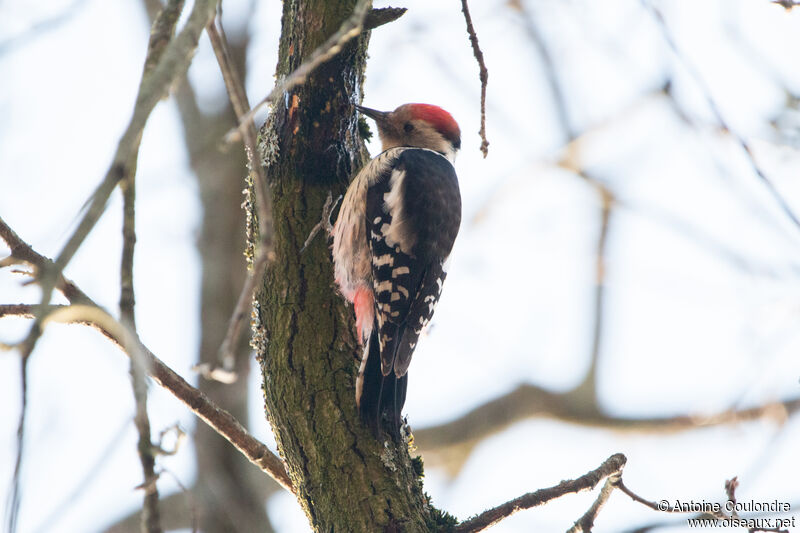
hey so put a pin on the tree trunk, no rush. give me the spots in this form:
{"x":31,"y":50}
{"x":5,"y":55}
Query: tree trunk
{"x":345,"y":479}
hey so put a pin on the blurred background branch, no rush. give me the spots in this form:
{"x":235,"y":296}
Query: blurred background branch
{"x":659,"y":250}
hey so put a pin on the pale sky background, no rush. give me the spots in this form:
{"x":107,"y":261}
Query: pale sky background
{"x":687,"y":331}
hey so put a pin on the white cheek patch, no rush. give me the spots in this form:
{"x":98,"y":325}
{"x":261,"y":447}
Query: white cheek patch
{"x":396,"y":233}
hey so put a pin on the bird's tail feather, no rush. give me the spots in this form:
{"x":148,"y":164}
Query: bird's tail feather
{"x":381,"y":397}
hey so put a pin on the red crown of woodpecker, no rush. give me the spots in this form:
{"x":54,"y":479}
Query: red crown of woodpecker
{"x":438,"y":118}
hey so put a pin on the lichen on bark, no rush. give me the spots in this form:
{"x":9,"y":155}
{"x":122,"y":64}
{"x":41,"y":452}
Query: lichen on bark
{"x":345,"y":479}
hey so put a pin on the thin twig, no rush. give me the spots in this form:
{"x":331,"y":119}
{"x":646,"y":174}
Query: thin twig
{"x":240,"y":312}
{"x":21,"y":251}
{"x":174,"y":61}
{"x":180,"y":436}
{"x":190,"y":501}
{"x":127,"y":299}
{"x":663,"y":506}
{"x":551,"y":75}
{"x":694,"y":234}
{"x":12,"y":510}
{"x":217,"y":418}
{"x":730,"y":491}
{"x":324,"y":221}
{"x":586,"y":522}
{"x":151,"y":517}
{"x":611,"y":466}
{"x":588,"y":387}
{"x":161,"y":34}
{"x":89,"y":476}
{"x":349,"y":29}
{"x":484,"y":74}
{"x":571,"y":161}
{"x":722,"y":123}
{"x":715,"y":511}
{"x":26,"y":310}
{"x":265,"y":251}
{"x":42,"y":27}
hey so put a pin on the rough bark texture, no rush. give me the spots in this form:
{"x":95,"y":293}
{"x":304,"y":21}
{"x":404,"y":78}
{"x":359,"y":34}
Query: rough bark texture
{"x":345,"y":479}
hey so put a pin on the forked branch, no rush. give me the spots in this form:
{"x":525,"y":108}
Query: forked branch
{"x":90,"y":313}
{"x":611,"y":466}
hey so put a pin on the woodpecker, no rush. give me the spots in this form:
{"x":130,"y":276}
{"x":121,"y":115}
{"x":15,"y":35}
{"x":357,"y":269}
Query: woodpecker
{"x":391,"y":242}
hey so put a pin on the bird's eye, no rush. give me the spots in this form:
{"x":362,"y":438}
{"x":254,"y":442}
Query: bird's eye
{"x":409,"y":127}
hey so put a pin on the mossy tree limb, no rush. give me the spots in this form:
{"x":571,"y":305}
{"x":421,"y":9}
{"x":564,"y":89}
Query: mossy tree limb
{"x":345,"y":479}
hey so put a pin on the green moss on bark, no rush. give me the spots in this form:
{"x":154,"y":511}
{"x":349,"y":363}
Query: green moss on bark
{"x":345,"y":479}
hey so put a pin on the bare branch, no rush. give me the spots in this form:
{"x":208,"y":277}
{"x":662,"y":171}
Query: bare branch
{"x":265,"y":252}
{"x":162,"y":66}
{"x":730,"y":490}
{"x":155,"y":85}
{"x":484,"y":74}
{"x":90,"y":475}
{"x":722,"y":123}
{"x":242,"y":310}
{"x":190,"y":503}
{"x":26,"y":310}
{"x":786,"y":4}
{"x":349,"y":29}
{"x":12,"y":510}
{"x":611,"y":466}
{"x":161,"y":33}
{"x":529,"y":401}
{"x":43,"y":26}
{"x":714,"y":510}
{"x":324,"y":221}
{"x":662,"y":506}
{"x":557,"y":94}
{"x":588,"y":387}
{"x":586,"y":522}
{"x":21,"y":251}
{"x":217,"y":418}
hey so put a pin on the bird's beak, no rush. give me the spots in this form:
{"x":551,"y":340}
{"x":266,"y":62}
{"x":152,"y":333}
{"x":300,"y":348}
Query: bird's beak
{"x":378,"y":116}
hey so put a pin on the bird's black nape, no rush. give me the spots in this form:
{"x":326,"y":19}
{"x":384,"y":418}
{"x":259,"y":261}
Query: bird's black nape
{"x":382,"y":397}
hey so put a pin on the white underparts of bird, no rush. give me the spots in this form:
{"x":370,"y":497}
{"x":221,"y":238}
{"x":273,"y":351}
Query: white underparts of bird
{"x":391,"y":241}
